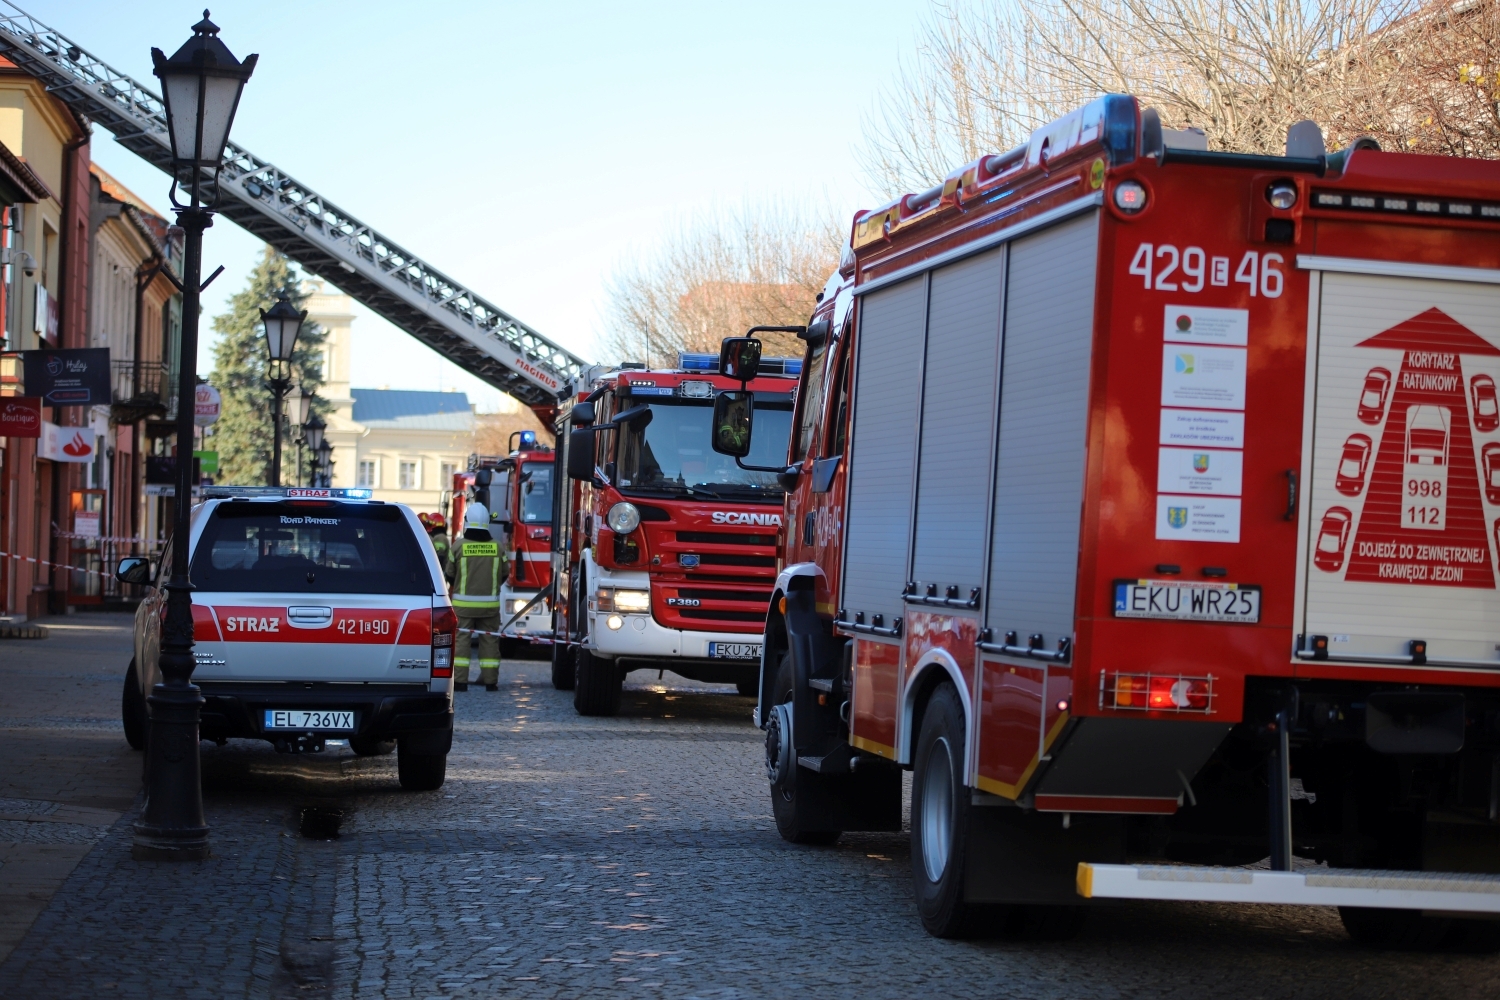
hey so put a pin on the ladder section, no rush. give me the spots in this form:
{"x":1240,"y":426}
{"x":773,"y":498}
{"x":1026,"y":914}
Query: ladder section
{"x":453,"y":320}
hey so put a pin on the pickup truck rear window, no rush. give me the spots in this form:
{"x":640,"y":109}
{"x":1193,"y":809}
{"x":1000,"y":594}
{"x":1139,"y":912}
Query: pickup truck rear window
{"x":302,"y":548}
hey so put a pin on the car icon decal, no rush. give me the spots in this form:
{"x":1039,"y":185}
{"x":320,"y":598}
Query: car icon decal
{"x":1352,"y":465}
{"x":1486,"y":404}
{"x":1489,"y":464}
{"x":1333,"y":536}
{"x":1372,"y":396}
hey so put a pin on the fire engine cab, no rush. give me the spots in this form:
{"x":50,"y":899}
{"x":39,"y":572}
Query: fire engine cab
{"x":665,"y":550}
{"x":1142,"y":506}
{"x":517,"y":491}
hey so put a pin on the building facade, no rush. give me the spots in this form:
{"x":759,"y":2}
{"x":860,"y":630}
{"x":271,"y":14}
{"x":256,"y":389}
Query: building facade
{"x":403,"y":444}
{"x":44,"y":282}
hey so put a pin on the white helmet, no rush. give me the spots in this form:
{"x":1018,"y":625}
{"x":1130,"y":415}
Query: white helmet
{"x":476,"y":516}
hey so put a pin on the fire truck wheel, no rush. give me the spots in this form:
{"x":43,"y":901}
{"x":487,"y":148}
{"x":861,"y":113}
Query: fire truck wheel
{"x":597,"y":684}
{"x":939,"y":818}
{"x":562,"y":666}
{"x":133,"y":710}
{"x":782,"y":768}
{"x":1410,"y":930}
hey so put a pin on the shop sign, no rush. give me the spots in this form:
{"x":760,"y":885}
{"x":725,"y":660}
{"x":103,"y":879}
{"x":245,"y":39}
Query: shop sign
{"x":65,"y":444}
{"x":20,"y":416}
{"x":73,"y":377}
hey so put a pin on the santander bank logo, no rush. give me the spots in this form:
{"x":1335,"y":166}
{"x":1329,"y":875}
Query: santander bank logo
{"x":78,"y":447}
{"x":734,"y":517}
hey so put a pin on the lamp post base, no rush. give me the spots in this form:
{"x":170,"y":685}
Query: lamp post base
{"x":172,"y":827}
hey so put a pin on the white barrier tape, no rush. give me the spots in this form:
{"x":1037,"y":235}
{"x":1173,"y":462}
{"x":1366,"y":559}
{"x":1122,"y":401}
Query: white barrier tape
{"x":73,"y":535}
{"x":540,"y":640}
{"x":44,"y":562}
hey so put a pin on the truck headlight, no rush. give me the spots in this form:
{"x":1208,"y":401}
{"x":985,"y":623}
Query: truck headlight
{"x":632,"y":600}
{"x":623,"y":518}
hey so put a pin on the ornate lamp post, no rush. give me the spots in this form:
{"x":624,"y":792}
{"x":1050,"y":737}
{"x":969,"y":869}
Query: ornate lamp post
{"x":301,"y":405}
{"x":282,"y":323}
{"x":312,"y":435}
{"x":201,"y":87}
{"x":325,"y":464}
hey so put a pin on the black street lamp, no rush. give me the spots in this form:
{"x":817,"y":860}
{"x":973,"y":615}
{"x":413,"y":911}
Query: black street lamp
{"x":201,"y":87}
{"x":282,"y":323}
{"x":325,"y":464}
{"x":301,"y":401}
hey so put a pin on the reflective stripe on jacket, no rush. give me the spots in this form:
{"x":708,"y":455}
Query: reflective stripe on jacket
{"x":478,"y":568}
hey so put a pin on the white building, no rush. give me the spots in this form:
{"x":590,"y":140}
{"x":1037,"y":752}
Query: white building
{"x":404,"y":444}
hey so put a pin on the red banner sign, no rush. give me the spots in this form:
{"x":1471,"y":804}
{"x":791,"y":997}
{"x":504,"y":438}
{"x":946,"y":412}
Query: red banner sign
{"x":20,"y":416}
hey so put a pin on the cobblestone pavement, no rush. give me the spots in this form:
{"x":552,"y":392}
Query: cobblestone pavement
{"x":632,"y":857}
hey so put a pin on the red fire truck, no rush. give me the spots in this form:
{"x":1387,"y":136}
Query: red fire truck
{"x":517,"y":490}
{"x":665,"y":550}
{"x":1108,"y":518}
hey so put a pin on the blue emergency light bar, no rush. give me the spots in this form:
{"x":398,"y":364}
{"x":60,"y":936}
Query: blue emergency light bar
{"x":710,"y":363}
{"x":528,"y":438}
{"x":287,"y":492}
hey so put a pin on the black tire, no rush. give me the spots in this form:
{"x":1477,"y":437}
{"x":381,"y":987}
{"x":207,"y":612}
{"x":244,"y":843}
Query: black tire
{"x":940,"y":819}
{"x":1409,"y":930}
{"x":784,"y":789}
{"x":133,"y":710}
{"x":562,"y":666}
{"x":597,"y":683}
{"x":370,"y":746}
{"x":421,"y":772}
{"x":749,"y":688}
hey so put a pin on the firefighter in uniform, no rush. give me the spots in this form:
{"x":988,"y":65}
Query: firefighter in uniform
{"x":476,"y":567}
{"x":437,"y":531}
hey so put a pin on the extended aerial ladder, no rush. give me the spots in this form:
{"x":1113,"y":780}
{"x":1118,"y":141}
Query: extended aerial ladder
{"x":445,"y":315}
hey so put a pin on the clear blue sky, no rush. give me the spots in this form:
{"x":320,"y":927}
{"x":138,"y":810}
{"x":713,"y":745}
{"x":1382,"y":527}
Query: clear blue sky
{"x":523,"y":147}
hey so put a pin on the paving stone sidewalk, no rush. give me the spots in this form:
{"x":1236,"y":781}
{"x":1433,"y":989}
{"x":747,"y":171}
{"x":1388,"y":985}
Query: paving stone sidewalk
{"x":631,"y":857}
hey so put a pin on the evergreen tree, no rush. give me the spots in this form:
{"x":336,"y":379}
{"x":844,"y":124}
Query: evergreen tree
{"x":243,"y":434}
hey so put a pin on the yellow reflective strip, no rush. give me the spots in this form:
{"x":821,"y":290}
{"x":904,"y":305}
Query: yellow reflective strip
{"x":1085,"y":880}
{"x":879,"y":748}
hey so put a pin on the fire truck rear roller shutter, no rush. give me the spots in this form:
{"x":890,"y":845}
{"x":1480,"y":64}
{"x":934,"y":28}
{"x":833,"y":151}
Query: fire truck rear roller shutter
{"x":1039,"y":475}
{"x":886,"y":400}
{"x":958,"y":406}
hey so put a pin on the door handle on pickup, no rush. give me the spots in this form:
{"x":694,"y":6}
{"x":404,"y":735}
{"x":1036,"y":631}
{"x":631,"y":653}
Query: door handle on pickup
{"x":310,"y":617}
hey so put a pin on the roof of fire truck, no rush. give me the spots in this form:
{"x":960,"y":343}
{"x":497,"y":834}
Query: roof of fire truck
{"x":1115,"y":125}
{"x":691,"y":368}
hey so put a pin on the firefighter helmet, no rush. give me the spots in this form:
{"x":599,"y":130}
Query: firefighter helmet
{"x":476,"y":516}
{"x":436,"y":522}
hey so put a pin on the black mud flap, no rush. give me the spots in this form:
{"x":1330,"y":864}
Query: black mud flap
{"x":868,"y":799}
{"x":1019,"y":856}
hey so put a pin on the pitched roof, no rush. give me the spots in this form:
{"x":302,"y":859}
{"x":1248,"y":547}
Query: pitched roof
{"x":402,"y":404}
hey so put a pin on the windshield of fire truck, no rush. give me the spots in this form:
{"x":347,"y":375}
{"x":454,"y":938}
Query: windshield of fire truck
{"x":536,"y":494}
{"x":671,"y":452}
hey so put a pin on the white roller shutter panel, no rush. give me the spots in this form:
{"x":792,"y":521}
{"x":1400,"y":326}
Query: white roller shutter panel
{"x":887,"y":401}
{"x":1049,"y":329}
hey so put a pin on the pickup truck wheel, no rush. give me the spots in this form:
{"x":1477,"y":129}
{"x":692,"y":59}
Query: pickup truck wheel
{"x":781,"y":763}
{"x":369,"y":746}
{"x":133,"y":710}
{"x":421,"y":772}
{"x":939,"y":819}
{"x":597,"y":684}
{"x":562,"y":666}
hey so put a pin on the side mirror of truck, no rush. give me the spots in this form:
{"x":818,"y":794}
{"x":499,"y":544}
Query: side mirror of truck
{"x":739,"y":358}
{"x":734,"y":414}
{"x":134,"y":569}
{"x":581,"y":454}
{"x":582,"y":415}
{"x":636,"y":418}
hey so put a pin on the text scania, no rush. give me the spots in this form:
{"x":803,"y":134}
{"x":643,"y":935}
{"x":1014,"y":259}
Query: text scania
{"x":734,"y":517}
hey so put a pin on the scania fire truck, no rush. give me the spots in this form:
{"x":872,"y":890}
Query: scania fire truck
{"x":665,"y":551}
{"x":1136,"y":506}
{"x":517,"y":491}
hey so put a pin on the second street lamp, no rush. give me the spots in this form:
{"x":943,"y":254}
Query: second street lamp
{"x":301,"y":401}
{"x":283,"y":322}
{"x":325,"y":464}
{"x":201,"y":84}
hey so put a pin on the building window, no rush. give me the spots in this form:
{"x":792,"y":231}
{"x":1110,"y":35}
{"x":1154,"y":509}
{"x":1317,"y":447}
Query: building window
{"x":449,"y":471}
{"x":409,"y":476}
{"x":366,"y":475}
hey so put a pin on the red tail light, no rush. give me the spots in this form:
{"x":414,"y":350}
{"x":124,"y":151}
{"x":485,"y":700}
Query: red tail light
{"x":1162,"y":693}
{"x":444,"y":626}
